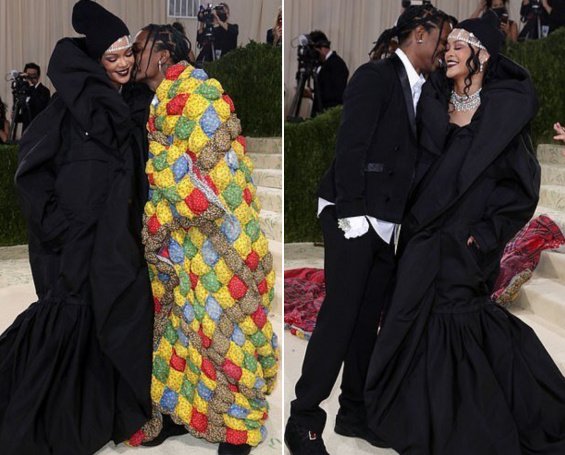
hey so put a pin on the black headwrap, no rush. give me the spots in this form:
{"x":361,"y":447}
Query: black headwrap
{"x":486,"y":30}
{"x":100,"y":26}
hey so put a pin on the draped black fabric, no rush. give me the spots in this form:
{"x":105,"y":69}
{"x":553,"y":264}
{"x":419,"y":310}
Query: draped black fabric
{"x":75,"y":367}
{"x":452,"y":372}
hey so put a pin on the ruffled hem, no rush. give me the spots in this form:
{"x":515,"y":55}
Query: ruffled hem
{"x":479,"y":383}
{"x":57,"y":389}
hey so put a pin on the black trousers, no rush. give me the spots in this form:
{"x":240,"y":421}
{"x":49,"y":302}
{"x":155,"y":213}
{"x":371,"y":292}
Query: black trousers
{"x":358,"y":274}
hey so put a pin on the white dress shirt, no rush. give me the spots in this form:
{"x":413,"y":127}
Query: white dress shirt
{"x":358,"y":224}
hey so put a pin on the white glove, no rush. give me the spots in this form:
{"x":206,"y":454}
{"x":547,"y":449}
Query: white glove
{"x":354,"y":226}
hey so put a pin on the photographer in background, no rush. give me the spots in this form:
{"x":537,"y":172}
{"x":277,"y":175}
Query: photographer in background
{"x":535,"y":18}
{"x":38,"y":97}
{"x":556,"y":11}
{"x":332,"y":75}
{"x":508,"y":27}
{"x":274,"y":35}
{"x":4,"y":124}
{"x":216,"y":36}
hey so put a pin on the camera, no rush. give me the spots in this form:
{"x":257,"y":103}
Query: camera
{"x":409,"y":3}
{"x":308,"y":56}
{"x":20,"y":85}
{"x":205,"y":14}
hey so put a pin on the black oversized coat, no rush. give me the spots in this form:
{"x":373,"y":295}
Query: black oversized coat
{"x":452,"y":372}
{"x":76,"y":366}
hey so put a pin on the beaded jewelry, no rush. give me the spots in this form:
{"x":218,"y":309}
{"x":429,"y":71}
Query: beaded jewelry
{"x":465,"y":102}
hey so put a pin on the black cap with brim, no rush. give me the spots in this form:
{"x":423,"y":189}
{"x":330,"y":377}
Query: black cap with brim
{"x":486,"y":30}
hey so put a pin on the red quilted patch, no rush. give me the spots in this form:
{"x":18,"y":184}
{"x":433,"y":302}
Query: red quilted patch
{"x":173,"y":72}
{"x":206,"y":342}
{"x":237,"y":287}
{"x":151,"y":179}
{"x":232,"y":370}
{"x":252,"y":260}
{"x":259,"y":317}
{"x":263,"y":287}
{"x":193,"y":280}
{"x":236,"y":437}
{"x":199,"y":421}
{"x":176,"y":362}
{"x":157,"y":307}
{"x":242,"y":141}
{"x":176,"y":105}
{"x":247,"y":196}
{"x":233,"y":388}
{"x":137,"y":438}
{"x":151,"y":125}
{"x":228,"y":100}
{"x":208,"y":369}
{"x":197,"y":201}
{"x":153,"y":224}
{"x":165,"y":252}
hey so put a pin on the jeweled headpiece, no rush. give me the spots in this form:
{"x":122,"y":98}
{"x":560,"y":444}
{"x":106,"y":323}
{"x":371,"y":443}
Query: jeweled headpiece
{"x":458,"y":34}
{"x":125,"y":42}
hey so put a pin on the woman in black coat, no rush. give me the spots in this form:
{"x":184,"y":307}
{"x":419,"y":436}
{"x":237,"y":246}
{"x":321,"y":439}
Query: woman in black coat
{"x":75,"y":367}
{"x":453,"y":372}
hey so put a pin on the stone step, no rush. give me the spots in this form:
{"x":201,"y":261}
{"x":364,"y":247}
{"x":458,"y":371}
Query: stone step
{"x":266,"y":160}
{"x":551,"y":153}
{"x":552,"y":174}
{"x":271,"y":224}
{"x":551,"y":265}
{"x":270,"y":198}
{"x":271,"y":178}
{"x":545,"y":297}
{"x":264,"y":145}
{"x":552,"y":196}
{"x":557,"y":216}
{"x":552,"y":336}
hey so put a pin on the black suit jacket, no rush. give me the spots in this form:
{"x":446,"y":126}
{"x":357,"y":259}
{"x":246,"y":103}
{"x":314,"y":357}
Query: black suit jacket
{"x":376,"y":153}
{"x":39,"y":99}
{"x":332,"y":80}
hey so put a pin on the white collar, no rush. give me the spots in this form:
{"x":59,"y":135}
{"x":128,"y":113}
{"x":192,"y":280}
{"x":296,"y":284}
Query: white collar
{"x":329,"y":55}
{"x":413,"y":77}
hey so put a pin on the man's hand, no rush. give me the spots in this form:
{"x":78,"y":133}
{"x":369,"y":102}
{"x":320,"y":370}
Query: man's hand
{"x":307,"y":93}
{"x":355,"y":226}
{"x":560,"y":130}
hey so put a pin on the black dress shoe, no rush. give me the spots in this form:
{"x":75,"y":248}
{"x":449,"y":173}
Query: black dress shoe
{"x":355,"y":429}
{"x":170,"y":428}
{"x":302,"y":441}
{"x":233,"y":449}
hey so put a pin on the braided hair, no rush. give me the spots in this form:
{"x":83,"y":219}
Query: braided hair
{"x":427,"y":16}
{"x":168,"y":37}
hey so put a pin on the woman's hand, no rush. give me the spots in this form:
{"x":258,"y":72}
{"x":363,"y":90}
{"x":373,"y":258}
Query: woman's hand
{"x":471,"y":241}
{"x":560,"y":130}
{"x":482,"y":5}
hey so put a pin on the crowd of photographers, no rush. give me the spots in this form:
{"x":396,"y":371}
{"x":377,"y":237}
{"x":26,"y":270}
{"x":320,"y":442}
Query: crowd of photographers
{"x":322,"y":75}
{"x":216,"y":36}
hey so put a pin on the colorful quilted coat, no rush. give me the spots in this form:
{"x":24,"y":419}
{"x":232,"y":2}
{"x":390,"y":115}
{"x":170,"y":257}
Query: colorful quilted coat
{"x":215,"y":352}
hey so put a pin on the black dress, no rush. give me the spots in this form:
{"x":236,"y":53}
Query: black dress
{"x":452,"y":372}
{"x":75,"y":367}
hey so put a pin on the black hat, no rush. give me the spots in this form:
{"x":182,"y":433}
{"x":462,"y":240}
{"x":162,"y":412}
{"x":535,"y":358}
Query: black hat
{"x":99,"y":25}
{"x":486,"y":30}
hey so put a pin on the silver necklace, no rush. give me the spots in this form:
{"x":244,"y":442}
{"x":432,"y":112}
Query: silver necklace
{"x":464,"y":102}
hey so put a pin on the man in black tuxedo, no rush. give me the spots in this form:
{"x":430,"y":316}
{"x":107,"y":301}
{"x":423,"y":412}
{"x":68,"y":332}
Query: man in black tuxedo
{"x":362,"y":199}
{"x":38,"y":97}
{"x":332,"y":75}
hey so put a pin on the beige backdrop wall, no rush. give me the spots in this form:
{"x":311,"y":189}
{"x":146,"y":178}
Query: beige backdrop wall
{"x":29,"y":29}
{"x":352,"y":26}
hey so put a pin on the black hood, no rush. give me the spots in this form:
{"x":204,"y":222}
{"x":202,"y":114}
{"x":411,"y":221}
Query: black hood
{"x":89,"y":95}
